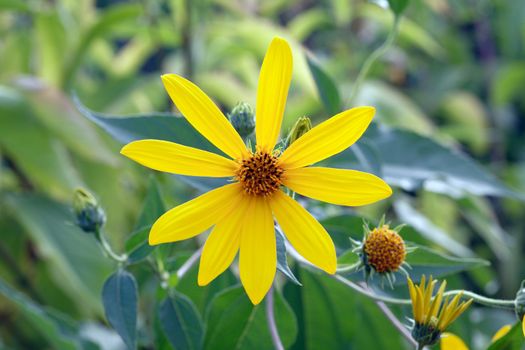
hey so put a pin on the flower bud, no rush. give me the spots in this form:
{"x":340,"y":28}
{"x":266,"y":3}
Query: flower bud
{"x":243,"y":119}
{"x":520,"y":302}
{"x":89,"y":215}
{"x":426,"y":334}
{"x":301,"y":127}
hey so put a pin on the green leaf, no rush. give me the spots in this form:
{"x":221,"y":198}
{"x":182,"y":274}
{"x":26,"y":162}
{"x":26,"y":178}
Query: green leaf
{"x":513,"y":340}
{"x":137,"y":245}
{"x":411,"y":216}
{"x":39,"y":156}
{"x":398,"y":6}
{"x":160,"y":126}
{"x":325,"y":86}
{"x":426,"y":261}
{"x":282,"y":263}
{"x":17,"y":5}
{"x":51,"y":41}
{"x":410,"y":32}
{"x":181,"y":322}
{"x":72,"y":255}
{"x":119,"y":296}
{"x":39,"y":319}
{"x":202,"y":296}
{"x":110,"y":18}
{"x":153,"y":205}
{"x":332,"y":316}
{"x":234,"y":323}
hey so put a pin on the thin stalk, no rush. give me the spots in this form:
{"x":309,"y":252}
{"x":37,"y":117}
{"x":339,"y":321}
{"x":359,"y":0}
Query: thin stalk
{"x":189,"y":263}
{"x":380,"y":51}
{"x":270,"y":318}
{"x":370,"y":294}
{"x":501,"y":303}
{"x":106,"y":248}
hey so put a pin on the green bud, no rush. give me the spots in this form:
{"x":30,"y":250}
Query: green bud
{"x":243,"y":119}
{"x":426,"y":334}
{"x":520,"y":302}
{"x":90,"y":216}
{"x":301,"y":127}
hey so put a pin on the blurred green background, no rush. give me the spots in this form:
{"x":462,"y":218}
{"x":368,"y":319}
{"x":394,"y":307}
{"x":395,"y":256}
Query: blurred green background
{"x":449,"y":136}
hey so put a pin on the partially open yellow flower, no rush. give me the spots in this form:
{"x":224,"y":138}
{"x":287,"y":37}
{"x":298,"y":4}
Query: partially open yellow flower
{"x":431,"y":315}
{"x":243,"y":212}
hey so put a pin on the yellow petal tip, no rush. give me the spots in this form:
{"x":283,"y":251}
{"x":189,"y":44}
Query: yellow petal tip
{"x":255,"y":298}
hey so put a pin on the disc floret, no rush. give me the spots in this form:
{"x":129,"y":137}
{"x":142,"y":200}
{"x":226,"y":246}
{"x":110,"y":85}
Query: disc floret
{"x":260,"y":174}
{"x":382,"y":251}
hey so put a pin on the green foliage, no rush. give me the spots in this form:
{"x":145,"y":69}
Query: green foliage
{"x":513,"y":340}
{"x":447,"y":136}
{"x":398,"y":6}
{"x":119,"y":296}
{"x":233,"y":314}
{"x":181,"y":322}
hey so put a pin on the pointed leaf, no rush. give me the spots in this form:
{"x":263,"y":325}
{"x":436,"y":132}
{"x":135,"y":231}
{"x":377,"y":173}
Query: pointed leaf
{"x":119,"y":297}
{"x":181,"y":322}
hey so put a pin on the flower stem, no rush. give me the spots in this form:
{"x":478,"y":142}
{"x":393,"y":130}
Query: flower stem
{"x":380,"y":51}
{"x":189,"y":263}
{"x":270,"y":318}
{"x":106,"y":248}
{"x":368,"y":293}
{"x":501,"y":303}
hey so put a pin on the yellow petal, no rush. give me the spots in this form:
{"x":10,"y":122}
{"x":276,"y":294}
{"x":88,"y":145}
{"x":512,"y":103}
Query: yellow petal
{"x":196,"y":216}
{"x":204,"y":115}
{"x":328,"y":138}
{"x":272,"y":91}
{"x":337,"y":186}
{"x":436,"y":303}
{"x":258,"y":256}
{"x":304,"y":232}
{"x":420,"y":312}
{"x":501,"y":333}
{"x":523,"y":325}
{"x":222,"y":244}
{"x":178,"y":159}
{"x":413,"y":296}
{"x":450,"y":341}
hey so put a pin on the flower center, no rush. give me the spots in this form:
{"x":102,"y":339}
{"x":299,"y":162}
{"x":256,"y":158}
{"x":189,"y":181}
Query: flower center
{"x":385,"y":249}
{"x":260,"y":175}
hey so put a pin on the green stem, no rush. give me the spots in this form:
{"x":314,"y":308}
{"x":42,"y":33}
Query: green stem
{"x":380,"y":51}
{"x":370,"y":294}
{"x":501,"y":303}
{"x":106,"y":248}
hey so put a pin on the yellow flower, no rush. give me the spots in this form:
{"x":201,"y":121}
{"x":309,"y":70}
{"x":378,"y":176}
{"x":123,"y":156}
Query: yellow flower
{"x":242,"y":213}
{"x":431,"y":315}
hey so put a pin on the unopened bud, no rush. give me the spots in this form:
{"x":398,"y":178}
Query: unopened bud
{"x":89,"y":215}
{"x":242,"y":118}
{"x":301,"y":127}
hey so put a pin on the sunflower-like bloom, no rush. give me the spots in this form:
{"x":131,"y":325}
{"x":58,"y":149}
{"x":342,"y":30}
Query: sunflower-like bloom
{"x":242,"y":213}
{"x":431,"y":315}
